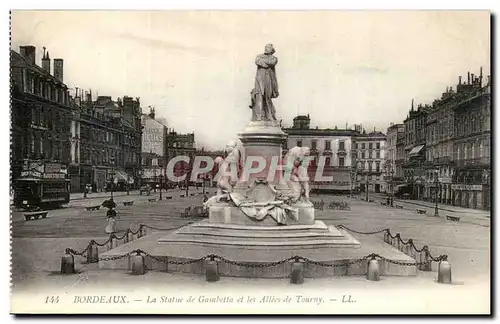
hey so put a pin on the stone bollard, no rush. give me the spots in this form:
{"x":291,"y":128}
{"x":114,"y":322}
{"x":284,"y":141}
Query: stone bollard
{"x":126,"y":236}
{"x":139,"y":235}
{"x":68,"y":264}
{"x":373,"y":273}
{"x":211,"y":270}
{"x":137,"y":262}
{"x":398,"y":242}
{"x":408,"y":248}
{"x":297,"y":275}
{"x":92,"y":254}
{"x":130,"y":236}
{"x":424,"y":260}
{"x":387,"y":238}
{"x":444,"y":272}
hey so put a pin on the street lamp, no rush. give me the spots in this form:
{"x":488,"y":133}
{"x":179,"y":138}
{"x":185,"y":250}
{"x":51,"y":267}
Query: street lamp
{"x":436,"y":184}
{"x":367,"y":185}
{"x":161,"y":182}
{"x":112,"y":160}
{"x":392,"y":186}
{"x":353,"y":177}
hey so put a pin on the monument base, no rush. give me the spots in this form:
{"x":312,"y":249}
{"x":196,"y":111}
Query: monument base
{"x":224,"y":213}
{"x":259,"y":246}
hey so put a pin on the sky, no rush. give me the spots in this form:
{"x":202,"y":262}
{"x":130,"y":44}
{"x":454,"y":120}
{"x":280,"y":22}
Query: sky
{"x":197,"y":67}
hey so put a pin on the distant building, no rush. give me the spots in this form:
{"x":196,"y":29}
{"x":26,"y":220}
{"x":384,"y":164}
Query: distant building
{"x":334,"y":145}
{"x":370,"y":152}
{"x":154,"y":150}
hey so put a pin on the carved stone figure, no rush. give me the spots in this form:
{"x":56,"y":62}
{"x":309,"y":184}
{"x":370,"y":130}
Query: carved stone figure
{"x":266,"y":86}
{"x":298,"y":181}
{"x":229,"y":169}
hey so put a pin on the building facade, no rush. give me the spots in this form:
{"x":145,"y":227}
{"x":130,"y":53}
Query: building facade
{"x":472,"y":144}
{"x":40,"y":124}
{"x":106,"y":143}
{"x":393,"y":171}
{"x":415,"y":139}
{"x":439,"y":149}
{"x":334,"y":146}
{"x":370,"y":152}
{"x":154,"y":150}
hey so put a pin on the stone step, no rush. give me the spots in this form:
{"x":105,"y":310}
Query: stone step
{"x":311,"y":243}
{"x":270,"y":235}
{"x":318,"y":226}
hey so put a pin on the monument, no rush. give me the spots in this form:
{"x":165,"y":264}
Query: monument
{"x":260,"y":216}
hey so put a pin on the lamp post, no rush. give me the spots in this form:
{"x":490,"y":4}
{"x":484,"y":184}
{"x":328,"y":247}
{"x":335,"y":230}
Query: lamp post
{"x":392,"y":187}
{"x":353,"y":178}
{"x":161,"y":182}
{"x":436,"y":183}
{"x":367,"y":185}
{"x":112,"y":176}
{"x":128,"y":184}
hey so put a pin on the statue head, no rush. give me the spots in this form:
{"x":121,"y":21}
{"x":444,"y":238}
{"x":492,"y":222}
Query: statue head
{"x":219,"y":160}
{"x":269,"y":49}
{"x":231,"y":145}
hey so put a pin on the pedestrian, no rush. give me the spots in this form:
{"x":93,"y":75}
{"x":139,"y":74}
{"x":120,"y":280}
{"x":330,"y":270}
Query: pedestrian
{"x":111,"y":216}
{"x":111,"y":226}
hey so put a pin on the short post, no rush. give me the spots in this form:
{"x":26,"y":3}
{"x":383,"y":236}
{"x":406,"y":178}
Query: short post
{"x":398,"y":241}
{"x":297,"y":275}
{"x":408,"y":248}
{"x":126,"y":238}
{"x":68,"y":263}
{"x":110,"y":241}
{"x":92,"y":253}
{"x":444,"y":272}
{"x":138,"y":264}
{"x":373,"y":273}
{"x":424,"y":259}
{"x":130,"y":236}
{"x":387,"y":237}
{"x":139,"y":235}
{"x":211,"y":270}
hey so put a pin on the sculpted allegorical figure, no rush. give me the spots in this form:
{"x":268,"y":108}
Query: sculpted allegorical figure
{"x":299,"y":179}
{"x":229,"y":169}
{"x":266,"y":86}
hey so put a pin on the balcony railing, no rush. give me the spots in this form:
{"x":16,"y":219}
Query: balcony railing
{"x":473,"y":162}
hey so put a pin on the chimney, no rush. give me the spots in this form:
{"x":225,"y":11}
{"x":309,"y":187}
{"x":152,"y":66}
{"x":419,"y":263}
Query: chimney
{"x":481,"y":76}
{"x":46,"y":61}
{"x":29,"y":53}
{"x":472,"y":78}
{"x":460,"y":80}
{"x":58,"y":69}
{"x":88,"y":96}
{"x":468,"y":77}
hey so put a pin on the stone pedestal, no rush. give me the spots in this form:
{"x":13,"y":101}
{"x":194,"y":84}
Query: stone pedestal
{"x":263,"y":139}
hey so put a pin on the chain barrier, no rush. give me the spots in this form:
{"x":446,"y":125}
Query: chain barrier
{"x":213,"y":257}
{"x":364,"y":233}
{"x":165,"y":229}
{"x":425,"y":248}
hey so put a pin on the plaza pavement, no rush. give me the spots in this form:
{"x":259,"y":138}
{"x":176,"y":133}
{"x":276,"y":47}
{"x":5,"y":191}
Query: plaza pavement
{"x":38,"y":245}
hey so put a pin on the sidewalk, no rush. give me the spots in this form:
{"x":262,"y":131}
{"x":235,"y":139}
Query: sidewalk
{"x":79,"y":195}
{"x":454,"y":209}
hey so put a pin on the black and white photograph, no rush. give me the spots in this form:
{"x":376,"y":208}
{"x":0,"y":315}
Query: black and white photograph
{"x":231,"y":162}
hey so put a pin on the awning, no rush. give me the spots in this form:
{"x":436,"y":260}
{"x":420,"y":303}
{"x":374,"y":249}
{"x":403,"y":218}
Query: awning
{"x":416,"y":149}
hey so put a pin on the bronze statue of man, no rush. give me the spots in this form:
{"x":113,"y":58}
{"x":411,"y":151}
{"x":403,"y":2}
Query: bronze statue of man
{"x":266,"y":86}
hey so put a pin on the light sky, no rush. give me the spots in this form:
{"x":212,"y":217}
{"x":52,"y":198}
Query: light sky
{"x":197,"y":67}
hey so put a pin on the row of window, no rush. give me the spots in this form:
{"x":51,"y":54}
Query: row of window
{"x":51,"y":119}
{"x":370,"y":146}
{"x":33,"y":84}
{"x":106,"y":156}
{"x":103,"y":136}
{"x":328,"y":145}
{"x":369,"y":154}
